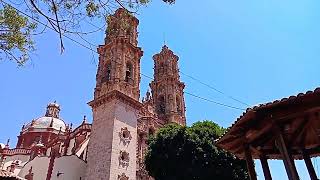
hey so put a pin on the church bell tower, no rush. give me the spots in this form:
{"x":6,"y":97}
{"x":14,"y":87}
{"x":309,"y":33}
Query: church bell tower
{"x":113,"y":141}
{"x":167,"y":89}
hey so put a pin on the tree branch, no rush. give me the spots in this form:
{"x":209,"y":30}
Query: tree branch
{"x":59,"y":30}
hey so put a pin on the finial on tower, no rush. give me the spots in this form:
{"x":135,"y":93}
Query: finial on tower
{"x":148,"y":95}
{"x":7,"y":145}
{"x":51,"y":123}
{"x":84,"y":119}
{"x":59,"y":131}
{"x":32,"y":122}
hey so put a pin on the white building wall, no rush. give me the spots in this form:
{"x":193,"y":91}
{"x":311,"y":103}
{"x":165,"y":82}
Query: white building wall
{"x":71,"y":145}
{"x":72,"y":167}
{"x":39,"y":168}
{"x":23,"y":159}
{"x":48,"y":151}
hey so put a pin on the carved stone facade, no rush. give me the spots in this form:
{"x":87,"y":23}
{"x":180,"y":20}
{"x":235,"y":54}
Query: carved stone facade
{"x":167,"y":89}
{"x":114,"y":146}
{"x":119,"y":57}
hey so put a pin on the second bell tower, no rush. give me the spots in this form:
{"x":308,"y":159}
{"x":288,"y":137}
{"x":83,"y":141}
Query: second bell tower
{"x":167,"y":89}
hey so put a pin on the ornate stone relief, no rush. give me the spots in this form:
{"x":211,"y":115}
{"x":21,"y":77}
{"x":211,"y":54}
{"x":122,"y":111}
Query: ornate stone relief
{"x":124,"y":158}
{"x":125,"y":135}
{"x":123,"y":177}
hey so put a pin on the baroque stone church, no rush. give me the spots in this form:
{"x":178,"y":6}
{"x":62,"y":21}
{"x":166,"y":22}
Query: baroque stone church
{"x":114,"y":145}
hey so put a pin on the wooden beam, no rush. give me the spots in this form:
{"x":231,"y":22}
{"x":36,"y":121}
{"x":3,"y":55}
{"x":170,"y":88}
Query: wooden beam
{"x":306,"y":129}
{"x":286,"y":157}
{"x":265,"y":167}
{"x":259,"y":133}
{"x":307,"y":160}
{"x":250,"y":163}
{"x":300,"y":129}
{"x":263,"y":140}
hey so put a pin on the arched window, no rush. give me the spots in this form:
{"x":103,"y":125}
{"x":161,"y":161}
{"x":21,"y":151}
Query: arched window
{"x":37,"y":139}
{"x":179,"y":110}
{"x":162,"y":107}
{"x":108,"y":75}
{"x":129,"y":73}
{"x":151,"y":132}
{"x":161,"y":67}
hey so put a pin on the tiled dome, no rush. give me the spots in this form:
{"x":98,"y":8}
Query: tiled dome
{"x":47,"y":122}
{"x":51,"y":119}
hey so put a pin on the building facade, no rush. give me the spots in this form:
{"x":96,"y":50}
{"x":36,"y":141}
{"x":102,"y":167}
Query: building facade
{"x":114,"y":145}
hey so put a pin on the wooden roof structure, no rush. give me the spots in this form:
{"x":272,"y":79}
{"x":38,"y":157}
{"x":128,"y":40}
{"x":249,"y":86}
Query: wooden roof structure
{"x":291,"y":124}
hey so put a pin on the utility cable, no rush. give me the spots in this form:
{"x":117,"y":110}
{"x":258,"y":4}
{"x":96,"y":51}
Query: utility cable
{"x":89,"y":48}
{"x":205,"y":99}
{"x":213,"y":88}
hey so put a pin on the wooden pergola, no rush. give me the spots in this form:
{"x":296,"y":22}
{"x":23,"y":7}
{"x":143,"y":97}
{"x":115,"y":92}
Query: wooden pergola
{"x":287,"y":129}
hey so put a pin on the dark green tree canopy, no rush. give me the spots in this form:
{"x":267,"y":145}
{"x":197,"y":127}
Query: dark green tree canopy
{"x":189,"y":153}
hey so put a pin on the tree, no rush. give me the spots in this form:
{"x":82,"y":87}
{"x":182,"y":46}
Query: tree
{"x":65,"y":17}
{"x":189,"y":153}
{"x":15,"y":35}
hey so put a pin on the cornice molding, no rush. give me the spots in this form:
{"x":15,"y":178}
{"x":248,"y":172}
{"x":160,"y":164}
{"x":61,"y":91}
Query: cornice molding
{"x":115,"y":94}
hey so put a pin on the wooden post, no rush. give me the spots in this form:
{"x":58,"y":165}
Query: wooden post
{"x":307,"y":160}
{"x":265,"y":167}
{"x":250,"y":163}
{"x":288,"y":162}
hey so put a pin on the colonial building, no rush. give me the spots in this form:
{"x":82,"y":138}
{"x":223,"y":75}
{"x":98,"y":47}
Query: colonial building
{"x":114,"y":145}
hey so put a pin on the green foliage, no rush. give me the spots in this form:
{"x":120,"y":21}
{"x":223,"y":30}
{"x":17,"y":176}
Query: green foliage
{"x":92,"y":9}
{"x":64,"y":17}
{"x":189,"y":153}
{"x":15,"y":35}
{"x":144,"y":1}
{"x":169,"y":1}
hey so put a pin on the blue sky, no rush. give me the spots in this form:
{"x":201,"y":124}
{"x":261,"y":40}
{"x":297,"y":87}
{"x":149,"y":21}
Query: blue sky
{"x":255,"y":51}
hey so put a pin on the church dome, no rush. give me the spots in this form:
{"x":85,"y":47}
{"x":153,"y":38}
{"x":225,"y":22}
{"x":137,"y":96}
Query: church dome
{"x":51,"y":120}
{"x":47,"y":122}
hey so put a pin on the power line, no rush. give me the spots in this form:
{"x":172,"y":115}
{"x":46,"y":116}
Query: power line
{"x":89,"y":48}
{"x":215,"y":102}
{"x":215,"y":89}
{"x":205,"y":99}
{"x":73,"y":40}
